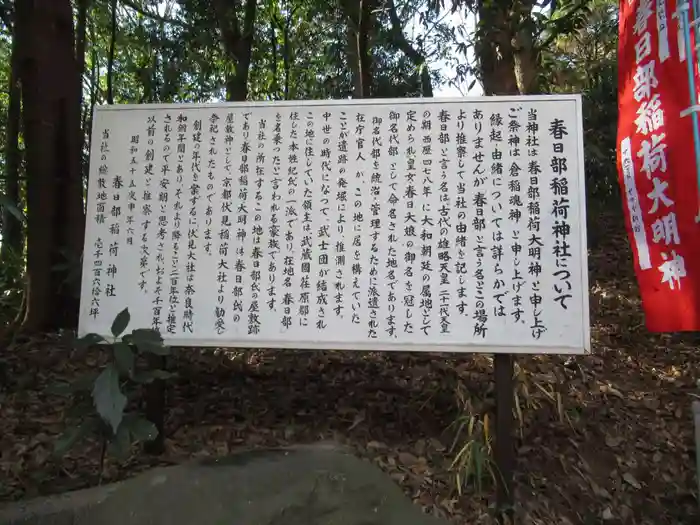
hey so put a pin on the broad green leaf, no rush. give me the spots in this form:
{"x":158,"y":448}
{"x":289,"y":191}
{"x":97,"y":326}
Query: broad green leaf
{"x":141,"y":429}
{"x":145,"y":335}
{"x":108,"y":397}
{"x":63,"y":388}
{"x":120,"y":444}
{"x":121,"y":321}
{"x":154,"y":348}
{"x":148,"y":341}
{"x":71,"y":436}
{"x":88,"y":340}
{"x":124,"y":358}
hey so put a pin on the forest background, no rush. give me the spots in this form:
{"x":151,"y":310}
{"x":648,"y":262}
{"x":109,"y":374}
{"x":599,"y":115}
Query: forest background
{"x":60,"y":58}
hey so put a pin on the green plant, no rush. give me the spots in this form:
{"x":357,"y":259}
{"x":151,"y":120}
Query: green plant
{"x":99,"y":400}
{"x":473,"y":463}
{"x":12,"y":284}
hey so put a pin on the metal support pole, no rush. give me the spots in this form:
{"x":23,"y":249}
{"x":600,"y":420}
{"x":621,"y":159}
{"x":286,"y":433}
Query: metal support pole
{"x":504,"y":450}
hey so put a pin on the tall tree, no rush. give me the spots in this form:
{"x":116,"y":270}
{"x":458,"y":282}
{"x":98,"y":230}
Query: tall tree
{"x":359,"y":22}
{"x":511,"y":36}
{"x":51,"y":117}
{"x":237,"y":33}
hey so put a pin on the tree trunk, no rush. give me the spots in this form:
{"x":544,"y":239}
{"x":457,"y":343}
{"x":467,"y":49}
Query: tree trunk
{"x":80,"y":50}
{"x":81,"y":39}
{"x":12,"y":239}
{"x":358,"y":14}
{"x":494,"y":48}
{"x":54,"y":184}
{"x":238,"y":44}
{"x":94,"y":85}
{"x":353,"y":60}
{"x":526,"y":56}
{"x":364,"y":28}
{"x":112,"y":51}
{"x":274,"y":83}
{"x":286,"y":50}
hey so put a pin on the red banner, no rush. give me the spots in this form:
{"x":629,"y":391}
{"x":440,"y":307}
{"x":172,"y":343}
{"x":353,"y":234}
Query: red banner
{"x":656,"y":162}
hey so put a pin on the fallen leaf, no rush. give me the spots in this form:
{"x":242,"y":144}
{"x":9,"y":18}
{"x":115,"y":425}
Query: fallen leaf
{"x":437,"y":445}
{"x":609,"y":389}
{"x":407,"y":458}
{"x":410,"y":412}
{"x":631,"y":480}
{"x":612,"y":442}
{"x":359,"y":418}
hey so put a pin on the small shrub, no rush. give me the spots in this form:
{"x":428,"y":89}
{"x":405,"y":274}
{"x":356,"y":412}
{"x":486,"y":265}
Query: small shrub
{"x":99,"y":400}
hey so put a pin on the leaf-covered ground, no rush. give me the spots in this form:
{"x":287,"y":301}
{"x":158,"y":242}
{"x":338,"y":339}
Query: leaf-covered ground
{"x":623,"y":454}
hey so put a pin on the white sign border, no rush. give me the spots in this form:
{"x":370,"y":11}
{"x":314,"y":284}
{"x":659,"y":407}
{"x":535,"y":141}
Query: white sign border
{"x":402,"y":347}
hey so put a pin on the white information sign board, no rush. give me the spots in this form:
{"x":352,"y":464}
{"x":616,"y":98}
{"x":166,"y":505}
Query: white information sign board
{"x":401,"y":224}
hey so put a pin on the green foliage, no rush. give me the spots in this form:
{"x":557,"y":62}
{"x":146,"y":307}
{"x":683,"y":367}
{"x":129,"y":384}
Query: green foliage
{"x":12,"y":285}
{"x":585,"y":62}
{"x":473,"y":464}
{"x":100,"y":399}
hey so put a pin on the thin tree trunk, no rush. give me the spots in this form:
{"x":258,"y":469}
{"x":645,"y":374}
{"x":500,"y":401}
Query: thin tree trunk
{"x":81,"y":40}
{"x":274,"y":85}
{"x":112,"y":51}
{"x":238,"y":44}
{"x":358,"y":16}
{"x":286,"y":59}
{"x":94,"y":79}
{"x":364,"y":28}
{"x":80,"y":51}
{"x":12,"y":238}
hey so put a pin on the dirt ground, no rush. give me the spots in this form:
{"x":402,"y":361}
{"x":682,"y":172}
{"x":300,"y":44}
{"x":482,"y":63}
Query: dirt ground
{"x":623,"y":453}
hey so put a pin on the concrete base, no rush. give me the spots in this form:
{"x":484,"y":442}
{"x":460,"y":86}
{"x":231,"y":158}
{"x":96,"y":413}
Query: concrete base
{"x":308,"y":485}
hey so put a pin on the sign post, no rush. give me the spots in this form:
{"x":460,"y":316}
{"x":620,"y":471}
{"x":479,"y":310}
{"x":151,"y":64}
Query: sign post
{"x":504,"y":453}
{"x":384,"y":225}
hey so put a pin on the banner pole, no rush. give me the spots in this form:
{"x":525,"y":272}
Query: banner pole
{"x":684,"y":17}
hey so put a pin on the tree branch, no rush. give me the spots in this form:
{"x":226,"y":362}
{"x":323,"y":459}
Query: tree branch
{"x":249,"y":19}
{"x":6,"y":17}
{"x":555,"y":25}
{"x":153,"y":16}
{"x":416,"y":58}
